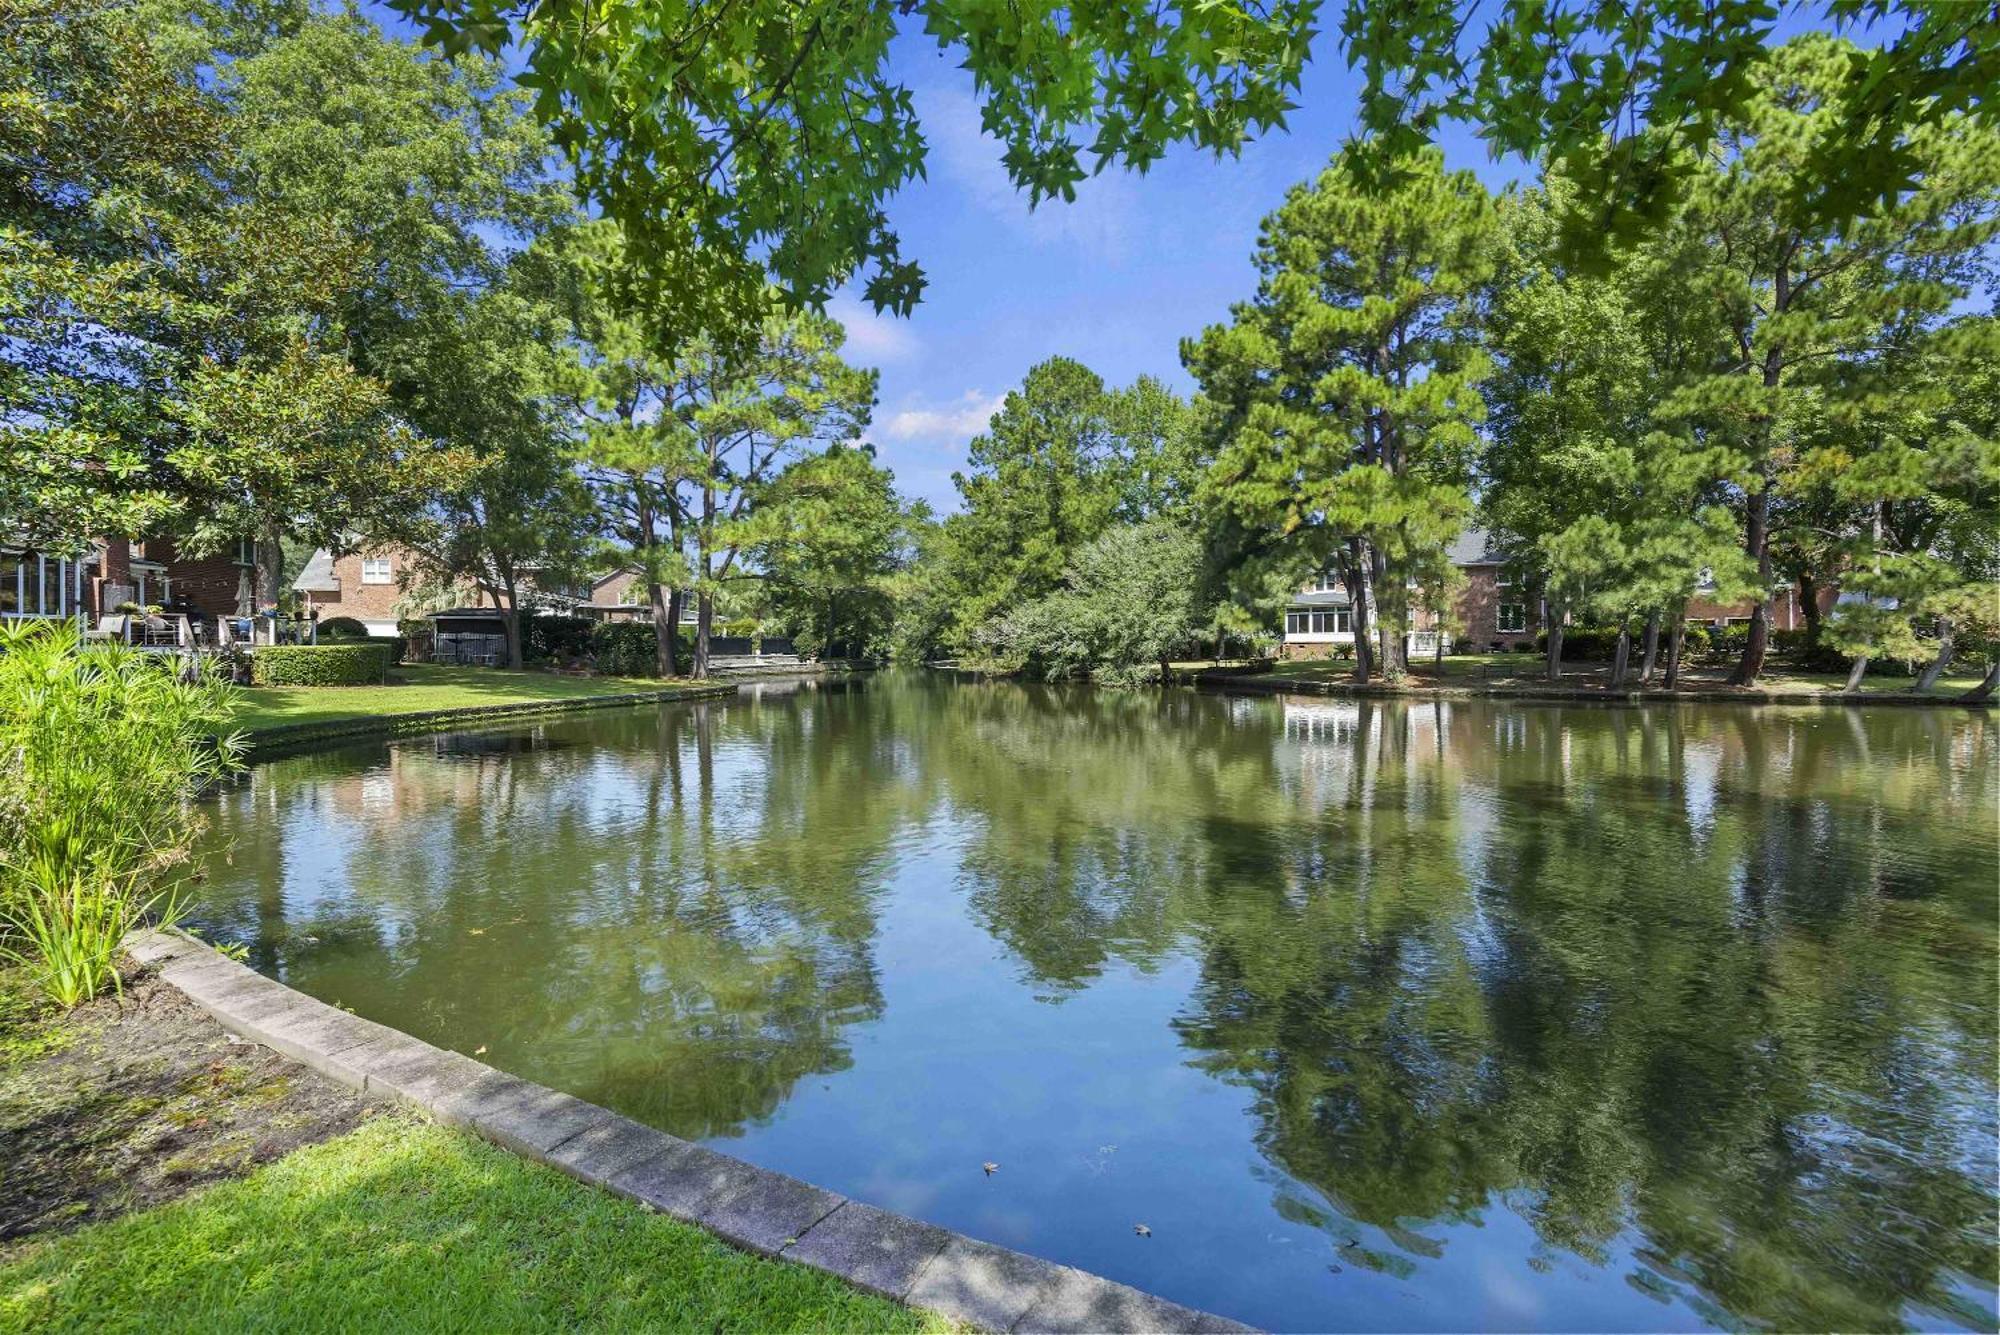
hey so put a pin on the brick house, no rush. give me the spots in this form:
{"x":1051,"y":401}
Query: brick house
{"x":111,"y":572}
{"x":365,"y":585}
{"x":1495,"y":612}
{"x":1787,"y":613}
{"x":368,"y":584}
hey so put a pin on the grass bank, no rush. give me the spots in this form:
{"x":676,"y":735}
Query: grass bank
{"x":422,"y":688}
{"x":406,"y":1225}
{"x":161,"y":1176}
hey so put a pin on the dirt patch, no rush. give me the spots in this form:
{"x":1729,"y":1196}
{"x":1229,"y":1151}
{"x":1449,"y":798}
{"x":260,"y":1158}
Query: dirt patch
{"x":131,"y":1101}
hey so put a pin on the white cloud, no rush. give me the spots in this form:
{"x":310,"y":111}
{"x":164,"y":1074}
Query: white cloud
{"x":872,"y":339}
{"x":1099,"y":221}
{"x":955,"y":420}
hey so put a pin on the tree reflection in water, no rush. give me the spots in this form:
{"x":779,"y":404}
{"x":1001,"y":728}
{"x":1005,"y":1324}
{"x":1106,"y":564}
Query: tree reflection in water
{"x":1704,"y":997}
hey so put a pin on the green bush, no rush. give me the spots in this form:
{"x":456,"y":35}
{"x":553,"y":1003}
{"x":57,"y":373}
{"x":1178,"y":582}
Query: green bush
{"x":1584,"y":644}
{"x":104,"y":746}
{"x":628,"y":648}
{"x":558,"y":639}
{"x":342,"y":628}
{"x":347,"y":664}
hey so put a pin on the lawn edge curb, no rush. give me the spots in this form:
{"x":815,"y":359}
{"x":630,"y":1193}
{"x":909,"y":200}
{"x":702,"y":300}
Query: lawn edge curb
{"x":288,"y":735}
{"x":755,"y":1209}
{"x":1230,"y":683}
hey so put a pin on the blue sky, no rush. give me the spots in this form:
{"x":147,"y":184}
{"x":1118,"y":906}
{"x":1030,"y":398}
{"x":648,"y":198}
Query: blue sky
{"x":1115,"y":279}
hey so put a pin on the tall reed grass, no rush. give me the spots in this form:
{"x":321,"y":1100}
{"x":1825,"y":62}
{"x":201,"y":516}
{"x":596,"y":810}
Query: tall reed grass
{"x":102,"y":750}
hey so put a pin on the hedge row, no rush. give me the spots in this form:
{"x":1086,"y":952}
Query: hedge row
{"x":353,"y":664}
{"x":629,"y":649}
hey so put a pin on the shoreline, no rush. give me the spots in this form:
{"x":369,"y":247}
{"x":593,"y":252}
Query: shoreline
{"x":1245,"y":683}
{"x":766,"y":1213}
{"x":286,"y":736}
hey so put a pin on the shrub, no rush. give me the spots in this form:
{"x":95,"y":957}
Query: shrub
{"x":546,"y":638}
{"x":103,"y":746}
{"x":342,"y":628}
{"x":348,"y":664}
{"x":628,"y":648}
{"x":1725,"y":645}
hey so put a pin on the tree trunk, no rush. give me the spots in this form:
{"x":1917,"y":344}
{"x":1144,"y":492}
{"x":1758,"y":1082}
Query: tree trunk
{"x":1855,"y":674}
{"x":1809,"y":609}
{"x":510,"y":622}
{"x":1554,"y":669}
{"x":1437,"y":650}
{"x":1649,"y":655}
{"x":704,"y":615}
{"x":1621,"y":658}
{"x":1757,"y":542}
{"x":1675,"y":636}
{"x":1357,"y":592}
{"x":270,"y":555}
{"x":1947,"y":637}
{"x":1984,"y":690}
{"x":666,"y":612}
{"x":1390,"y":626}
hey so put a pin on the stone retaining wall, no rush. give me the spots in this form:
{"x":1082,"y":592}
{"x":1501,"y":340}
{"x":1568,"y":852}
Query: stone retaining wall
{"x":913,"y":1262}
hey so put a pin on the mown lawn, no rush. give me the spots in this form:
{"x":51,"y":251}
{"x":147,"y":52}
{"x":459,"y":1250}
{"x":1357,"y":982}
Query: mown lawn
{"x":406,"y":1225}
{"x":417,"y":687}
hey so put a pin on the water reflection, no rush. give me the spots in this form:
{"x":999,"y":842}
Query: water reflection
{"x":1384,"y":1016}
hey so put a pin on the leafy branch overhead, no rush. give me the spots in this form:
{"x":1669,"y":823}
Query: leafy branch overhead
{"x":745,"y":142}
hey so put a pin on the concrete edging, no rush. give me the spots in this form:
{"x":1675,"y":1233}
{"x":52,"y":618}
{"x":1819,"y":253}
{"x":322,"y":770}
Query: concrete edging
{"x":753,"y":1208}
{"x":288,"y":735}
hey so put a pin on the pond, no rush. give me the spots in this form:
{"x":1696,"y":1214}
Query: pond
{"x":1378,"y":1016}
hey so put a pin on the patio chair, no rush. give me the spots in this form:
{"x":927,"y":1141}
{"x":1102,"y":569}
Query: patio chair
{"x":114,"y":627}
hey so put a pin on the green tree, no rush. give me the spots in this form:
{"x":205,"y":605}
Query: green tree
{"x":1042,"y":481}
{"x":746,"y":418}
{"x":1349,"y":383}
{"x":520,"y":522}
{"x":1130,"y":601}
{"x":633,"y":449}
{"x":426,"y":172}
{"x":1611,"y":499}
{"x":1802,"y":295}
{"x":1909,"y":464}
{"x":827,"y":534}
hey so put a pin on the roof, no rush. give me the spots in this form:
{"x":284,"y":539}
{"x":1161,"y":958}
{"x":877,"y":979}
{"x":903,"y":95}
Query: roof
{"x":318,"y":575}
{"x":1322,"y":598}
{"x":1475,"y":547}
{"x":467,"y":614}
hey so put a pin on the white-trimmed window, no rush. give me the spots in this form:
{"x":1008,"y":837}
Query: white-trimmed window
{"x":375,"y":570}
{"x":1512,"y":618}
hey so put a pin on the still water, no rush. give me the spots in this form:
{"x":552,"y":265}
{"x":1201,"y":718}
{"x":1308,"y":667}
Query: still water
{"x":1445,"y":1015}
